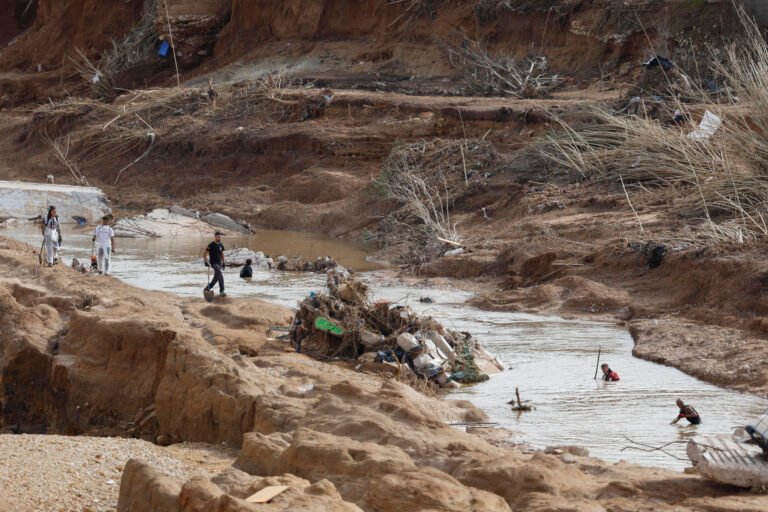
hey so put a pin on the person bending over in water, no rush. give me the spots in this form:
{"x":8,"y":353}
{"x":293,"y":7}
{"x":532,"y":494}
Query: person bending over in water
{"x":247,"y":271}
{"x":687,"y":412}
{"x":608,"y":374}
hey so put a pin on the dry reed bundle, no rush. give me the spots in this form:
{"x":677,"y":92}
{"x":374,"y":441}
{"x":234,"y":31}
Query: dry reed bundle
{"x":259,"y":98}
{"x":721,"y":177}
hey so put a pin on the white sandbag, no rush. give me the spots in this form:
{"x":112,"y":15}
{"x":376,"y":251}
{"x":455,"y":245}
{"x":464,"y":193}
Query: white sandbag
{"x":422,"y":361}
{"x":444,"y":349}
{"x":369,"y":339}
{"x":407,"y":342}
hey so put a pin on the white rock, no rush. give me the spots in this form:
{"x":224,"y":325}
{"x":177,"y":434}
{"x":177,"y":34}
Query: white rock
{"x":21,"y":200}
{"x":222,"y":221}
{"x":161,"y":223}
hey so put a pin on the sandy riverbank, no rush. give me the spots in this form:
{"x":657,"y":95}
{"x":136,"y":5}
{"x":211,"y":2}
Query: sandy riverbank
{"x":88,"y":359}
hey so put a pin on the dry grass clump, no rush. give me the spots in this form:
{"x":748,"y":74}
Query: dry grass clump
{"x":721,"y":177}
{"x":270,"y":99}
{"x":133,"y":123}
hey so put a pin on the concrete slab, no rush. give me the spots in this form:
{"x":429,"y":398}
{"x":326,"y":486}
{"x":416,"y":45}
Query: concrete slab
{"x":22,"y":200}
{"x":729,"y":460}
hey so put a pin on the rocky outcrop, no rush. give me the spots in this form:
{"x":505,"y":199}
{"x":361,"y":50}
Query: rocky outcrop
{"x":143,"y":490}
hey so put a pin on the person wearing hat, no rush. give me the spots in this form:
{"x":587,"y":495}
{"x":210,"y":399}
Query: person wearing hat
{"x":51,"y":229}
{"x":214,"y":258}
{"x":104,"y":238}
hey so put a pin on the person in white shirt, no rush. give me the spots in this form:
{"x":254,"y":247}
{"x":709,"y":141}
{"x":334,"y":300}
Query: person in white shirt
{"x":51,"y":236}
{"x":104,"y":238}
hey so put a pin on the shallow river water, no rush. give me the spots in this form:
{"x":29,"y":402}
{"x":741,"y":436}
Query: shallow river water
{"x":551,"y":360}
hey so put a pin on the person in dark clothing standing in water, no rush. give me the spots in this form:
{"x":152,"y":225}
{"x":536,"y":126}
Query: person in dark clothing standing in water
{"x":214,"y":257}
{"x":608,"y":374}
{"x":247,"y":271}
{"x":687,"y":412}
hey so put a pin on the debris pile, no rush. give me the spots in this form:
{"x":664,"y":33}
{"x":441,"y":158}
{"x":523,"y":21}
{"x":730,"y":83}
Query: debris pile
{"x":299,"y":264}
{"x":238,"y":256}
{"x":343,"y":323}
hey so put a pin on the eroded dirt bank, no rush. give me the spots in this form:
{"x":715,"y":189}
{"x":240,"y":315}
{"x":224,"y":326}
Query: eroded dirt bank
{"x":541,"y":239}
{"x":88,"y":355}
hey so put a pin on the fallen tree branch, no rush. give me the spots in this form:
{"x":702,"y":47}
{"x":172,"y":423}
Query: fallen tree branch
{"x":151,"y":136}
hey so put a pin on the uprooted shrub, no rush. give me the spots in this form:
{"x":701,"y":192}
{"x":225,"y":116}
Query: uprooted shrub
{"x":499,"y":74}
{"x":718,"y":171}
{"x":425,"y":178}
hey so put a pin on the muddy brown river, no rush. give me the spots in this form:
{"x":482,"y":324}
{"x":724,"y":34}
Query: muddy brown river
{"x":550,"y":359}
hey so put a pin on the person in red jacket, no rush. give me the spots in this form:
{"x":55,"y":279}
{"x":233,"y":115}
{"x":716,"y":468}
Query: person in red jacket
{"x":608,"y":374}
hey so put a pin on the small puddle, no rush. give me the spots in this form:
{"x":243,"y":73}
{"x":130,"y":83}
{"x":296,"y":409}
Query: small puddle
{"x":552,"y":360}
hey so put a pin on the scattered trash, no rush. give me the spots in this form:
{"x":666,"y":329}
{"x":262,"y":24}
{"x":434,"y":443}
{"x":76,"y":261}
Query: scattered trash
{"x":729,"y":459}
{"x":165,"y":47}
{"x":426,"y":300}
{"x":455,"y":252}
{"x":343,"y":323}
{"x":759,"y":433}
{"x":657,"y":61}
{"x":657,"y":256}
{"x":520,"y":406}
{"x":710,"y":123}
{"x":298,"y":264}
{"x":81,"y":221}
{"x":267,"y":494}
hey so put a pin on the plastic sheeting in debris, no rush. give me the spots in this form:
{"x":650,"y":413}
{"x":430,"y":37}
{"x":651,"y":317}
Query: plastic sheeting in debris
{"x":709,"y":125}
{"x":343,"y":323}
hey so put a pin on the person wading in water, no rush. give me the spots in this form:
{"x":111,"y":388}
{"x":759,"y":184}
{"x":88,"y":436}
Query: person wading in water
{"x":51,"y":229}
{"x":214,"y":257}
{"x":608,"y":374}
{"x":247,"y":271}
{"x":687,"y":412}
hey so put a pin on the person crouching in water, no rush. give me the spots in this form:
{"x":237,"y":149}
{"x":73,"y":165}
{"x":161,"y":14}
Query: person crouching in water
{"x":687,"y":412}
{"x":51,"y":229}
{"x":104,"y":238}
{"x":247,"y":271}
{"x":214,"y":258}
{"x":608,"y":374}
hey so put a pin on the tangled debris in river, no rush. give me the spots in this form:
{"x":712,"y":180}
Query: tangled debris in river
{"x":343,"y":323}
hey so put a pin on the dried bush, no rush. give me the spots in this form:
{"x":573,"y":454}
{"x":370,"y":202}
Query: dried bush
{"x":499,"y":74}
{"x":422,"y":191}
{"x":135,"y":47}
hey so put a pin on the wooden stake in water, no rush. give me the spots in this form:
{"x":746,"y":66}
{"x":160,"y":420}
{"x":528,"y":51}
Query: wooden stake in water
{"x":597,"y":366}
